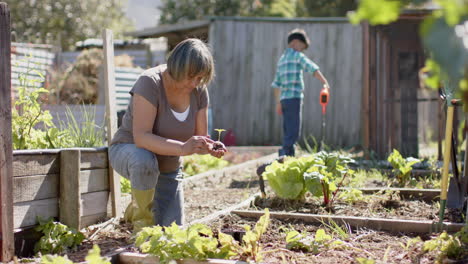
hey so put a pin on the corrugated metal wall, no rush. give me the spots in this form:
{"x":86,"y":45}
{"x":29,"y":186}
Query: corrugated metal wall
{"x":29,"y":62}
{"x":246,"y":53}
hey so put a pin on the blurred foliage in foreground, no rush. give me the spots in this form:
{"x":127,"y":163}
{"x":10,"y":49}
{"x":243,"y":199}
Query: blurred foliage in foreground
{"x":444,"y":33}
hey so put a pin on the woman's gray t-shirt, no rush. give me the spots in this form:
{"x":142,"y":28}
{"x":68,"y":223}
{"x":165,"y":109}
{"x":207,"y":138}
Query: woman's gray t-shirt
{"x":151,"y":87}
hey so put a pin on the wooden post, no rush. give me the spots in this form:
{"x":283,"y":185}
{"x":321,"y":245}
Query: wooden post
{"x":6,"y":152}
{"x":70,"y":196}
{"x":111,"y":114}
{"x":365,"y":89}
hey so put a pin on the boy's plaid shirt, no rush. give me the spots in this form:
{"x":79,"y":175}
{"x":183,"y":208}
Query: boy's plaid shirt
{"x":289,"y":73}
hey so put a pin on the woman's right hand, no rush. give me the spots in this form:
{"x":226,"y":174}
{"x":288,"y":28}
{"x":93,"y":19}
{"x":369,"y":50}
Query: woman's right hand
{"x":196,"y":145}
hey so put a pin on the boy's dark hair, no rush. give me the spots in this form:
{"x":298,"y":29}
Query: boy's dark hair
{"x":299,"y":34}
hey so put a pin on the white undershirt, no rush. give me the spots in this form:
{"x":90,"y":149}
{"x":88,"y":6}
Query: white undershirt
{"x":181,"y":116}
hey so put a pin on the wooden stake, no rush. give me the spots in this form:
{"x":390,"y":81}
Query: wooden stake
{"x":111,"y":114}
{"x":6,"y":152}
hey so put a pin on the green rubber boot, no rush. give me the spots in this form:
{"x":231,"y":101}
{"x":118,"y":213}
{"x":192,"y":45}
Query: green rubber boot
{"x":138,"y":212}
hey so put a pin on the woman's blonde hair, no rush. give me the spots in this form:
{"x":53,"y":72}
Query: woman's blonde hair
{"x":191,"y":58}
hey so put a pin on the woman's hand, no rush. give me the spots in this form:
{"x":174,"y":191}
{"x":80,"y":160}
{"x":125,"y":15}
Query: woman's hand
{"x":196,"y":145}
{"x":217,"y":149}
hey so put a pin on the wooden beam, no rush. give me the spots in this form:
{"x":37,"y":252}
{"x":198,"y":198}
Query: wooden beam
{"x":111,"y":115}
{"x":6,"y":152}
{"x":70,"y":196}
{"x":365,"y":89}
{"x":383,"y":224}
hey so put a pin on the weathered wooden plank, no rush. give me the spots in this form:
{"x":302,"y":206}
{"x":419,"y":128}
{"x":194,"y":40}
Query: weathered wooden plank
{"x":26,"y":213}
{"x":92,"y":219}
{"x":6,"y":172}
{"x":391,"y":225}
{"x":70,"y":196}
{"x":94,"y":160}
{"x":35,"y":164}
{"x":94,"y":203}
{"x":111,"y":114}
{"x":38,"y":187}
{"x":136,"y":258}
{"x":94,"y":180}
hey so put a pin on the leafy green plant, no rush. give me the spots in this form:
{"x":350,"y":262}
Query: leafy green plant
{"x":320,"y":177}
{"x":27,"y":114}
{"x":401,"y":167}
{"x":198,"y":243}
{"x":172,"y":243}
{"x":447,"y":246}
{"x":316,"y":173}
{"x":93,"y":257}
{"x":286,"y":179}
{"x":195,"y":164}
{"x":56,"y":237}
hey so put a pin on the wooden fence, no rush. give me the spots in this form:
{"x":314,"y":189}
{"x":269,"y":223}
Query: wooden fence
{"x":246,"y":52}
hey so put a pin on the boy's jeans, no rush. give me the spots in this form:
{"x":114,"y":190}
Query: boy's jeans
{"x":140,"y":166}
{"x":292,"y":115}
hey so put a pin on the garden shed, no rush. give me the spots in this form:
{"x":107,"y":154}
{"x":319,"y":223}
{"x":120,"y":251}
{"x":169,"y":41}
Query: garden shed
{"x":397,"y":113}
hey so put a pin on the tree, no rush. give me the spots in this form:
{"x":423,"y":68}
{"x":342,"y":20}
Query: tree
{"x":174,"y":11}
{"x":444,"y":34}
{"x":325,"y":8}
{"x":43,"y":21}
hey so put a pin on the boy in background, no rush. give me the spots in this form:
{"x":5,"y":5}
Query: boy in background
{"x":289,"y":87}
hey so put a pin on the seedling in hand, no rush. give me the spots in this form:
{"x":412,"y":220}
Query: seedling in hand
{"x":218,"y":145}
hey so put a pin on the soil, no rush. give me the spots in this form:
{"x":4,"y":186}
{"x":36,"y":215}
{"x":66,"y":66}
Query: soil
{"x":383,"y":247}
{"x":389,"y":205}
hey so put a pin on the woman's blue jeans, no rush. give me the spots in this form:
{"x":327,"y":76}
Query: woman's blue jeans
{"x":140,"y":166}
{"x":292,"y":115}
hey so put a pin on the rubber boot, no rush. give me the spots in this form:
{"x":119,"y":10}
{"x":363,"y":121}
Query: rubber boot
{"x":138,"y":212}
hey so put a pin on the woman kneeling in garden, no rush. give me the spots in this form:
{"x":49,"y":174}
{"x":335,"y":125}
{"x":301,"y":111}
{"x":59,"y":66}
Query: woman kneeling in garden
{"x":166,"y":118}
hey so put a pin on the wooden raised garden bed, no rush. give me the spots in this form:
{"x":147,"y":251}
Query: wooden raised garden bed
{"x":393,"y":215}
{"x":69,"y":184}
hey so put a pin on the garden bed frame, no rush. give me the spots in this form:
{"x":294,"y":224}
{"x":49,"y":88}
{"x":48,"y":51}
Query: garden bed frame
{"x":71,"y":184}
{"x":380,"y":224}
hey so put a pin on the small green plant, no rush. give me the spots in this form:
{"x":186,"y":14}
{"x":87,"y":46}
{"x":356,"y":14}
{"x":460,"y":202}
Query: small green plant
{"x":198,"y":243}
{"x":93,"y":257}
{"x":351,"y":195}
{"x":172,"y":243}
{"x":56,"y":237}
{"x":401,"y":167}
{"x":308,"y":243}
{"x":320,"y":178}
{"x":219,"y":130}
{"x":250,"y":248}
{"x":447,"y":246}
{"x":195,"y":164}
{"x":365,"y":261}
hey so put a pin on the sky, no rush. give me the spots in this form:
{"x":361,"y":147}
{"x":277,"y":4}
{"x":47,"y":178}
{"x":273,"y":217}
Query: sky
{"x":143,"y":13}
